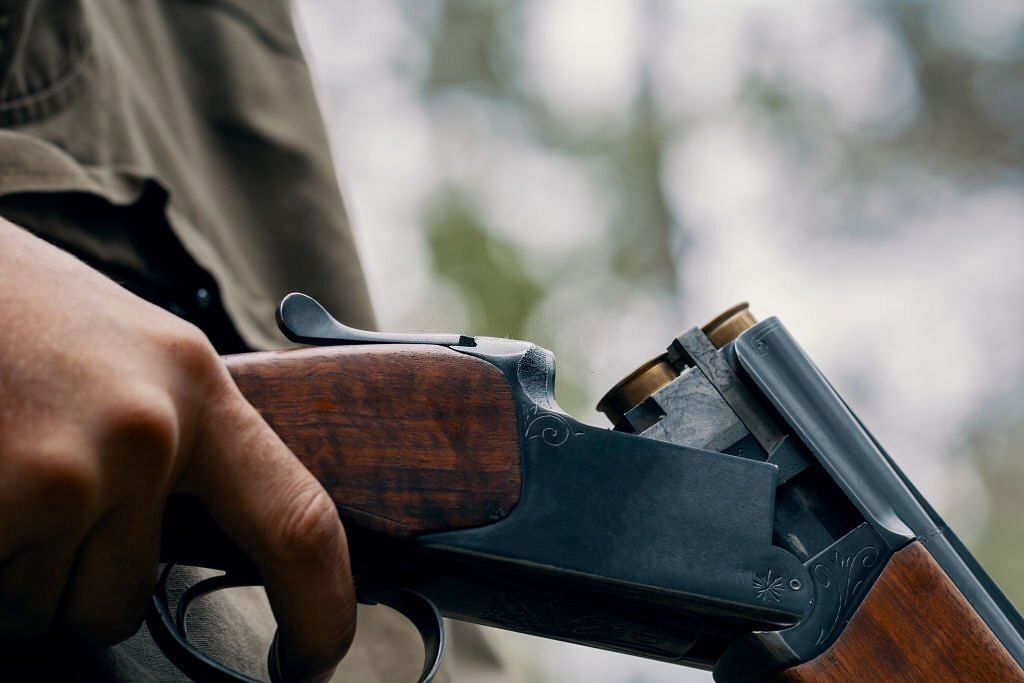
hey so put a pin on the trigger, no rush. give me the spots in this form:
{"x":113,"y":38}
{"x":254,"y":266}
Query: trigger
{"x":423,"y":614}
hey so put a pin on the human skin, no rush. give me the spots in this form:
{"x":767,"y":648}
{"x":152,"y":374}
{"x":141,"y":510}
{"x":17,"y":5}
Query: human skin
{"x":107,"y":405}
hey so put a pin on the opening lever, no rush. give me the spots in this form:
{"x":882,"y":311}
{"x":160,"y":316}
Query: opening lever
{"x":302,"y":319}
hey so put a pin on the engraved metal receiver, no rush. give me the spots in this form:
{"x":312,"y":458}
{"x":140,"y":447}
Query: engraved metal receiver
{"x":734,"y":520}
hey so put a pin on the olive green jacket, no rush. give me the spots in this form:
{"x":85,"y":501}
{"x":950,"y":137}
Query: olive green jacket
{"x":202,"y":113}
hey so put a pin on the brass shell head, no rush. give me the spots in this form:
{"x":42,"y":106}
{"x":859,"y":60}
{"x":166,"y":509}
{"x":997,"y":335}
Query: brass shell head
{"x":729,"y":324}
{"x":637,"y":386}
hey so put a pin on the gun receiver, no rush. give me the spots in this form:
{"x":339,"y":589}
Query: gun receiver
{"x":739,"y":518}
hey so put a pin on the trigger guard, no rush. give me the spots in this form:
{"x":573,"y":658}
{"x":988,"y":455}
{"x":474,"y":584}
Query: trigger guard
{"x":423,"y":614}
{"x":169,"y":631}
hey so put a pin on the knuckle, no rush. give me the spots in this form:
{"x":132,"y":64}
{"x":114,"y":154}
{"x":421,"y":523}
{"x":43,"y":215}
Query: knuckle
{"x":310,"y":526}
{"x":144,"y":422}
{"x":65,"y":477}
{"x":192,"y":352}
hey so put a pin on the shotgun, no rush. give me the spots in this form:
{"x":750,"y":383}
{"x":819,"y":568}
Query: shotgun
{"x":739,"y":518}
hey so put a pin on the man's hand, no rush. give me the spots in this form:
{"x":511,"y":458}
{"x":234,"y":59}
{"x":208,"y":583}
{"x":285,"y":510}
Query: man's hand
{"x":107,"y":404}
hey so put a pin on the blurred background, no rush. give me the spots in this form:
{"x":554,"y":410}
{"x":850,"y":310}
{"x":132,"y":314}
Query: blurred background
{"x":597,"y":176}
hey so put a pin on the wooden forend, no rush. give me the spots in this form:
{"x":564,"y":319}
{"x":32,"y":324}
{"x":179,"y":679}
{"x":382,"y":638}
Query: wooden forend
{"x":406,"y":439}
{"x":914,"y":625}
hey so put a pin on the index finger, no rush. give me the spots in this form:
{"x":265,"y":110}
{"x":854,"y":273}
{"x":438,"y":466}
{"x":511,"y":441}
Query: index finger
{"x":281,"y":517}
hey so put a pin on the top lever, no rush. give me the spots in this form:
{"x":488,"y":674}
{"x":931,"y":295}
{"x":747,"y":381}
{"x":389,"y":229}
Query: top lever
{"x":302,"y":319}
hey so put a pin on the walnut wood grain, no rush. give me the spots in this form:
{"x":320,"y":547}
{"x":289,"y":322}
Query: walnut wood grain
{"x":914,"y":625}
{"x":406,"y":439}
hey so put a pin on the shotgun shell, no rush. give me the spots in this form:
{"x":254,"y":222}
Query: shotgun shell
{"x":637,"y":386}
{"x":634,"y":388}
{"x":728,"y":325}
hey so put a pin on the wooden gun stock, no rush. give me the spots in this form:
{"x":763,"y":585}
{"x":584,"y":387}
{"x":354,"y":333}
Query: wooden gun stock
{"x":914,"y":625}
{"x":407,"y":439}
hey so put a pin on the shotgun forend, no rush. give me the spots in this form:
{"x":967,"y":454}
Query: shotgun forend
{"x":739,"y":518}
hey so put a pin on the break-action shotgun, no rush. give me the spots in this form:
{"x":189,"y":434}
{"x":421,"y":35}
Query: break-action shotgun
{"x":739,"y":518}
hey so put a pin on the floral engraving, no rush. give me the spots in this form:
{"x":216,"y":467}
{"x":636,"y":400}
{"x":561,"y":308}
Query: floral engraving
{"x":551,"y":428}
{"x":769,"y":587}
{"x":846,"y":576}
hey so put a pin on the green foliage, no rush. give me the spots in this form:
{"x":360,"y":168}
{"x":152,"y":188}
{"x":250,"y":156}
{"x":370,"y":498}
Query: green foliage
{"x":487,"y":270}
